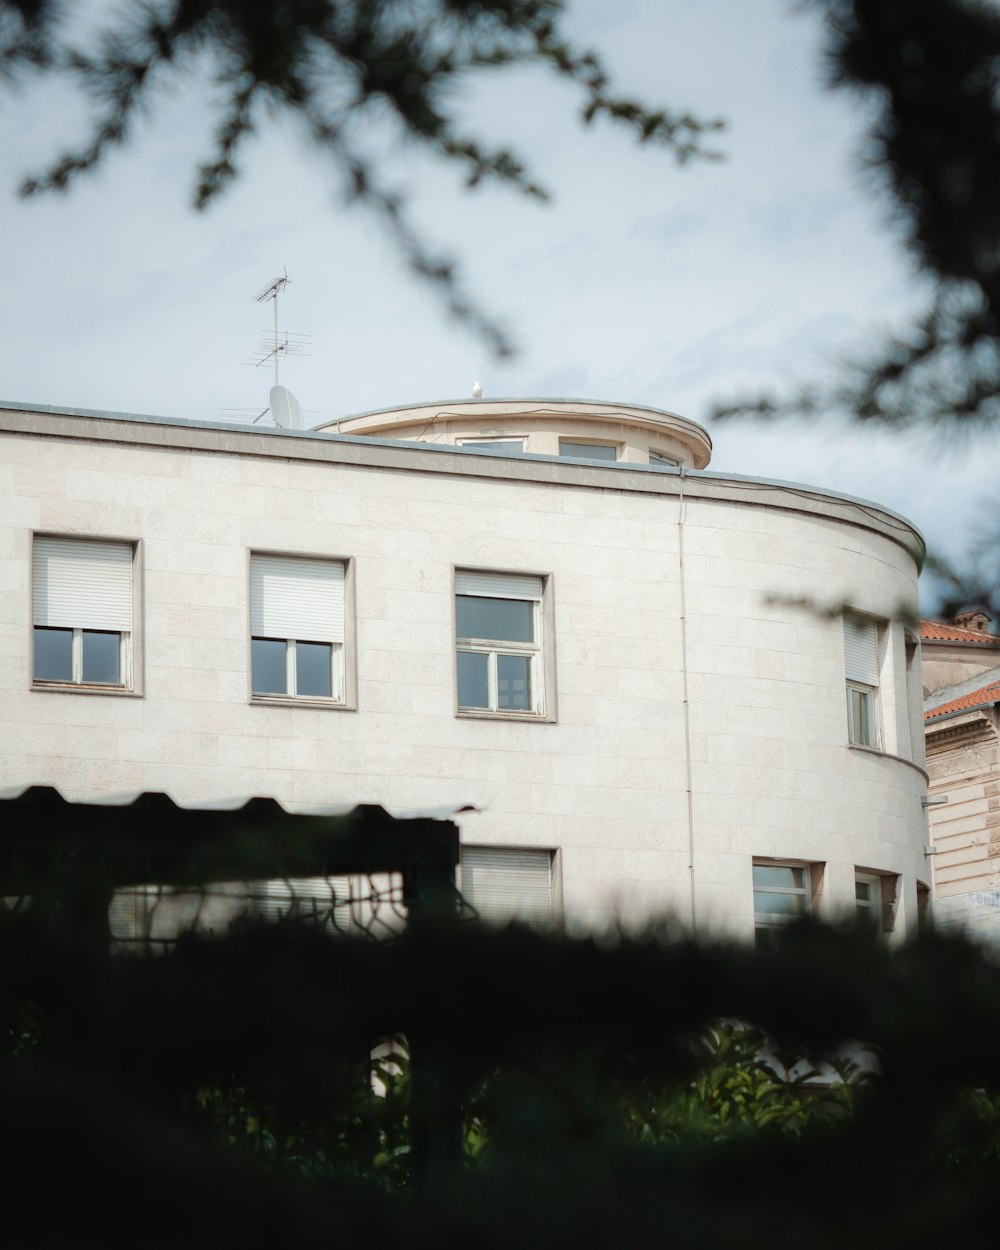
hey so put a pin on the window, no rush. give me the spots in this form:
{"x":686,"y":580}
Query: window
{"x":508,"y":883}
{"x":588,"y":451}
{"x":923,"y":907}
{"x":781,"y":893}
{"x":297,"y":628}
{"x":875,"y":899}
{"x":322,"y":901}
{"x":498,"y":627}
{"x":861,"y":668}
{"x":510,"y":446}
{"x":656,"y":457}
{"x":868,"y":900}
{"x":81,"y":606}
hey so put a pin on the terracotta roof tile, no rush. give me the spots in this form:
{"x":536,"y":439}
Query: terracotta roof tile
{"x":939,"y":631}
{"x":982,"y":697}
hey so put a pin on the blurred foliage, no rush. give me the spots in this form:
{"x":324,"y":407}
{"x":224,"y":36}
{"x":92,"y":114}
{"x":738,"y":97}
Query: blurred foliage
{"x":744,"y":1085}
{"x":347,"y":71}
{"x":549,"y":1092}
{"x":929,"y":72}
{"x":369,"y":1138}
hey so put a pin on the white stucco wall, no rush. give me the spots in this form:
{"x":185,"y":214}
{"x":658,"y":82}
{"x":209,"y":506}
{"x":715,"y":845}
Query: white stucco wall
{"x":606,"y":783}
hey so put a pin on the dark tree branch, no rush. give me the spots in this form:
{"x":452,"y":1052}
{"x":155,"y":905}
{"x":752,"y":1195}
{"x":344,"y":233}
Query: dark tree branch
{"x":328,"y":62}
{"x":932,"y":69}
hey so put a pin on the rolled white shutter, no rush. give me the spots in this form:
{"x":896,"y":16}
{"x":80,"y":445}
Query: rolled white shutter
{"x":80,"y":584}
{"x":497,"y":585}
{"x":503,"y":883}
{"x":123,"y":914}
{"x":293,"y":598}
{"x":861,"y":650}
{"x":323,"y":899}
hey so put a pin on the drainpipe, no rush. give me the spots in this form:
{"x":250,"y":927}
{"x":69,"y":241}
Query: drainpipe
{"x":681,"y":511}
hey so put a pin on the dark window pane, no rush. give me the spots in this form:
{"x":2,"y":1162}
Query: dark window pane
{"x":779,"y":904}
{"x":53,"y":654}
{"x":473,"y":679}
{"x":510,"y":447}
{"x":507,"y":620}
{"x":312,"y":669}
{"x":587,"y":451}
{"x":784,"y":876}
{"x":513,"y":683}
{"x":268,"y":666}
{"x":862,"y":726}
{"x":102,"y":657}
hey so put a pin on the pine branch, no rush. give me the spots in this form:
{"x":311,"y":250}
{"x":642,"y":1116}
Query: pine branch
{"x":394,"y":63}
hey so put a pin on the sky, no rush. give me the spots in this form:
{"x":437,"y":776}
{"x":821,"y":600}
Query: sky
{"x":640,"y":282}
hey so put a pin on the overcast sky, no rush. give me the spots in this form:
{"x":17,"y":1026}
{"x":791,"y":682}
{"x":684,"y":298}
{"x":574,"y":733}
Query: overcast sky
{"x":640,"y":282}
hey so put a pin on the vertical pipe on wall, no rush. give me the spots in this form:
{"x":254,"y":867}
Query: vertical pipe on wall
{"x":681,"y":511}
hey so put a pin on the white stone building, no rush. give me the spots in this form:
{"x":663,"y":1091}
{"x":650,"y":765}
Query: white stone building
{"x":548,"y":609}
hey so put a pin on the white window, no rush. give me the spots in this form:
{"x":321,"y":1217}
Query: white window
{"x":511,"y":446}
{"x":588,"y":451}
{"x":861,"y":669}
{"x":657,"y":457}
{"x":875,"y":896}
{"x":297,"y":628}
{"x":781,"y":893}
{"x":868,"y":900}
{"x":81,"y":605}
{"x":508,"y":883}
{"x":498,"y":628}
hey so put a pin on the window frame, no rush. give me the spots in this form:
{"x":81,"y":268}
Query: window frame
{"x":484,"y":442}
{"x":76,"y":659}
{"x":592,"y":442}
{"x":343,"y":675}
{"x":129,"y":640}
{"x":540,"y":652}
{"x":884,"y":890}
{"x":291,"y":670}
{"x":865,"y":684}
{"x":869,"y":911}
{"x":768,"y":922}
{"x":663,"y":460}
{"x":855,"y":737}
{"x":551,"y":918}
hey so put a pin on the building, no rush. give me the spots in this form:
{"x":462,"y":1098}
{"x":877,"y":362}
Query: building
{"x":961,"y":670}
{"x":956,"y":652}
{"x":552,"y":610}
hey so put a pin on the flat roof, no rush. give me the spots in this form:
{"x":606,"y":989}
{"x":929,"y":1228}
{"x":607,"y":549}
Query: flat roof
{"x":600,"y":467}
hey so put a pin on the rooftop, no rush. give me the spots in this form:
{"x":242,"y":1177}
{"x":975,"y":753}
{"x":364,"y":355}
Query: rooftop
{"x":942,"y":631}
{"x":980,"y":691}
{"x":355,"y":448}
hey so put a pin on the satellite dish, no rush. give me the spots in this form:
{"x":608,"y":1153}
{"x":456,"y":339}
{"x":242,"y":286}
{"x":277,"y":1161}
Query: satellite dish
{"x":285,"y":408}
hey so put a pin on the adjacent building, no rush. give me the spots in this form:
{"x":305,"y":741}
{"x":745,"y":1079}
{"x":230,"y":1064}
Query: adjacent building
{"x":552,"y":610}
{"x":961,"y":668}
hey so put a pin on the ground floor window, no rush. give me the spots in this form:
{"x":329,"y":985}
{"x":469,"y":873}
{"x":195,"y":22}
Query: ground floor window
{"x":782,"y":892}
{"x":507,"y":883}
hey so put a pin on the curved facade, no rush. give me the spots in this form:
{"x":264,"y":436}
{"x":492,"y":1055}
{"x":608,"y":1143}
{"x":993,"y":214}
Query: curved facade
{"x":576,"y":428}
{"x":611,"y":659}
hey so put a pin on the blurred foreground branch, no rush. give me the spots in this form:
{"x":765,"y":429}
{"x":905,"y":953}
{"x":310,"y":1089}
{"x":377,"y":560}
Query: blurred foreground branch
{"x":347,"y":71}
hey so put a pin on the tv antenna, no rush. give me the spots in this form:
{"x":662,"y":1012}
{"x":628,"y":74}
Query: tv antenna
{"x":284,"y":408}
